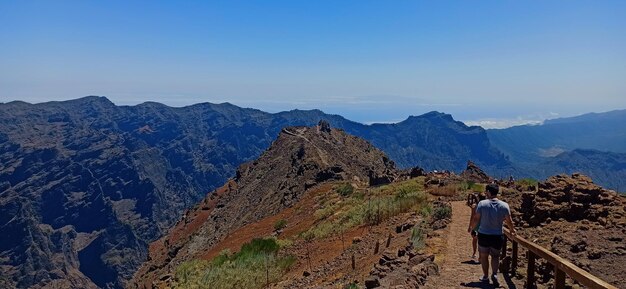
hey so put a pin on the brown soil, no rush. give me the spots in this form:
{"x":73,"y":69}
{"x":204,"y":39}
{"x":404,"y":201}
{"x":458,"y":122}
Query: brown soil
{"x":299,"y":218}
{"x":457,"y":268}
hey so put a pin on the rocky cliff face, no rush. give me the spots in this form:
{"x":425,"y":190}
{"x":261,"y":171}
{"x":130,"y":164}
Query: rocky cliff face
{"x":300,"y":158}
{"x":85,"y":185}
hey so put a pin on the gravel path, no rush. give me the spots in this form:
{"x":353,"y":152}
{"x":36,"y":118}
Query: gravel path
{"x":458,"y":270}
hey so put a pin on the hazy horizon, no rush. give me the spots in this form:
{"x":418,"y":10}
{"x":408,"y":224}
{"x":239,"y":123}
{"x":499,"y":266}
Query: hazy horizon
{"x":489,"y":123}
{"x":491,"y":63}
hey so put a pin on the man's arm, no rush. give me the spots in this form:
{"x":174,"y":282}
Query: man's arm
{"x":509,"y":223}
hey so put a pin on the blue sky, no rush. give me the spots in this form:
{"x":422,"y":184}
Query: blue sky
{"x":498,"y":62}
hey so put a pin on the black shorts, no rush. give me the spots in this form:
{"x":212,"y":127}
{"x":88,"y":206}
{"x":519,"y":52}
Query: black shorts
{"x":490,"y":241}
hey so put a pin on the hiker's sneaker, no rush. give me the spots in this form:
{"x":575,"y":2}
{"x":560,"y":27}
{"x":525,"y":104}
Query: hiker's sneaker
{"x":484,"y":279}
{"x":474,"y":257}
{"x":494,"y":279}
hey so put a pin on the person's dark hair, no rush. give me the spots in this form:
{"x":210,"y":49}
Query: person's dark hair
{"x":481,"y":197}
{"x":493,"y":189}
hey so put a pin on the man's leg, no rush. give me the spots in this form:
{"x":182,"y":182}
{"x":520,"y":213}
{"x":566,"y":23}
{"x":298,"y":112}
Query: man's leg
{"x":495,"y":263}
{"x":495,"y":260}
{"x":483,"y":254}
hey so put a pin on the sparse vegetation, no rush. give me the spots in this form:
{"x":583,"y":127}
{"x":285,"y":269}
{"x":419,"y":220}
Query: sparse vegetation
{"x":351,"y":286}
{"x":443,"y":212}
{"x":405,"y":189}
{"x":450,"y":190}
{"x":527,"y":182}
{"x":284,"y":243}
{"x":418,"y":236}
{"x":345,"y":190}
{"x":426,"y":210}
{"x":280,"y":224}
{"x":339,"y":214}
{"x":457,"y":191}
{"x":466,"y":185}
{"x":256,"y":264}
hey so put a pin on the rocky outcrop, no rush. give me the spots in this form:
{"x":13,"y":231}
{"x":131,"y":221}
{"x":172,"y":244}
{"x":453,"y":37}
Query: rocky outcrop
{"x":473,"y":173}
{"x":411,"y":173}
{"x":404,"y":267}
{"x":578,"y":220}
{"x":572,"y":199}
{"x":300,"y":159}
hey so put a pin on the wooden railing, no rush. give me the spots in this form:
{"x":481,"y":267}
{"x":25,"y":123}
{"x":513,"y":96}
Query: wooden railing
{"x":561,"y":266}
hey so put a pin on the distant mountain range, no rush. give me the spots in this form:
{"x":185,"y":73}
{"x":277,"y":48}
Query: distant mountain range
{"x":593,"y":143}
{"x":85,"y":185}
{"x":532,"y":143}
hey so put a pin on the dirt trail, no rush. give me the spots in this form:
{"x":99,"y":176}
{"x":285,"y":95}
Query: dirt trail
{"x":458,"y":270}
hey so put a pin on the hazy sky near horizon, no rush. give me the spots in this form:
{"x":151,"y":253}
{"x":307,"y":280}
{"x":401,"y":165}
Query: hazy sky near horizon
{"x":495,"y":63}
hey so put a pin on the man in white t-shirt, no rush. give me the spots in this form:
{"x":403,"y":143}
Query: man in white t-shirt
{"x":491,"y":214}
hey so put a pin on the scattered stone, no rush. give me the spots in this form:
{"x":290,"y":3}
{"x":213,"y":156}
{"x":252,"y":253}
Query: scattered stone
{"x":372,"y":282}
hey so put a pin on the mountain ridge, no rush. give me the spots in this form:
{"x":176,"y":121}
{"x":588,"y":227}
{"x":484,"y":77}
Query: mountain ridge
{"x":110,"y":178}
{"x":300,"y":159}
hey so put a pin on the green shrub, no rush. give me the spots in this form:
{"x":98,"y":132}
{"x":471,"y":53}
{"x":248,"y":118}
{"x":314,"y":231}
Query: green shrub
{"x":406,"y":189}
{"x":280,"y":224}
{"x":359,"y":195}
{"x":355,"y":212}
{"x":527,"y":182}
{"x":221,"y":258}
{"x":248,"y":268}
{"x":443,"y":212}
{"x":284,"y":243}
{"x":418,"y":236}
{"x":426,"y":210}
{"x":477,"y":188}
{"x":258,"y":245}
{"x":466,"y":185}
{"x":351,"y":286}
{"x":345,"y":190}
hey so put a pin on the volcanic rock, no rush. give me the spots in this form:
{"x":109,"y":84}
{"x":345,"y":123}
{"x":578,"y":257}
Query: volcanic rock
{"x":300,"y":159}
{"x":473,"y":173}
{"x":571,"y":198}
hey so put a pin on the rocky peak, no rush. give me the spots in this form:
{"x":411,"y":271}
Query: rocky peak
{"x":475,"y":174}
{"x":324,"y":126}
{"x":298,"y":160}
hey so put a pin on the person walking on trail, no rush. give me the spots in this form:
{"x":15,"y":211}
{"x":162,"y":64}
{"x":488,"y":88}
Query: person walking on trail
{"x":472,"y":202}
{"x":489,"y":216}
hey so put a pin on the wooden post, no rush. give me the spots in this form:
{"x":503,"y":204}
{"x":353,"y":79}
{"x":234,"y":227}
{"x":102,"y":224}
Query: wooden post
{"x":559,"y":278}
{"x":343,"y":246}
{"x":308,"y":256}
{"x":514,"y":258}
{"x":388,"y":241}
{"x":378,"y":218}
{"x":377,"y":247}
{"x":353,"y":262}
{"x":369,"y":213}
{"x":267,"y":272}
{"x":530,"y":272}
